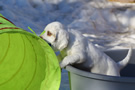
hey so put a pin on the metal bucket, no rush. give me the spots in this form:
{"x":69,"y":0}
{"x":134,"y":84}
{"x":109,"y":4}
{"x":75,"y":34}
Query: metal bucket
{"x":84,"y":80}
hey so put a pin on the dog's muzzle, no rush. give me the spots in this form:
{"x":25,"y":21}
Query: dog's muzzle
{"x":46,"y":41}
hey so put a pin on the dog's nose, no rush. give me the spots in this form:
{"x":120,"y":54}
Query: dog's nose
{"x":41,"y":37}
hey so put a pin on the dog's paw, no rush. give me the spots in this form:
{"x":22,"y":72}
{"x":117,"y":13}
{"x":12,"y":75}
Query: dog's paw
{"x":62,"y":65}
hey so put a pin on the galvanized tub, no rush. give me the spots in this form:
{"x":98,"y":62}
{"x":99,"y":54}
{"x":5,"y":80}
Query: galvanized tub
{"x":84,"y":80}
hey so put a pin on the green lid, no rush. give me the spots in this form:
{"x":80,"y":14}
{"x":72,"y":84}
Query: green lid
{"x":27,"y":62}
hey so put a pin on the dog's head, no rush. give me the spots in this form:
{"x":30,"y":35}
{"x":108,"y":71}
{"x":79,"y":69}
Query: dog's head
{"x":56,"y":35}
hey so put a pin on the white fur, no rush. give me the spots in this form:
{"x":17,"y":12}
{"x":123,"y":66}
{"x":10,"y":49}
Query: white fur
{"x":77,"y":49}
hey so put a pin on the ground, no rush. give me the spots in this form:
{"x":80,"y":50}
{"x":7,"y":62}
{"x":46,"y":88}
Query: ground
{"x":108,"y":25}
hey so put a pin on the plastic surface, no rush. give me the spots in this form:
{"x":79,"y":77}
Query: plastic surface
{"x":84,"y":80}
{"x":26,"y":61}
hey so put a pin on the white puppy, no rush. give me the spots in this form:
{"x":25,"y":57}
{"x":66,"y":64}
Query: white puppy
{"x":77,"y":49}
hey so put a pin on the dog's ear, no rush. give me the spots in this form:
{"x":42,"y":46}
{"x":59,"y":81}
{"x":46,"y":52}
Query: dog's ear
{"x":63,"y":37}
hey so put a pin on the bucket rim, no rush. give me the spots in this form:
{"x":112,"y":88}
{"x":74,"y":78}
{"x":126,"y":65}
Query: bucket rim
{"x":90,"y":75}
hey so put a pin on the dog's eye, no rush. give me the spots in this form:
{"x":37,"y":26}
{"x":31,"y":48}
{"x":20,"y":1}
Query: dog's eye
{"x":49,"y":33}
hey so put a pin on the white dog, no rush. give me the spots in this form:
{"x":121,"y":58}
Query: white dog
{"x":77,"y":49}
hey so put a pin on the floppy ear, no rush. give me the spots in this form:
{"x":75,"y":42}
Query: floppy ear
{"x":63,"y":38}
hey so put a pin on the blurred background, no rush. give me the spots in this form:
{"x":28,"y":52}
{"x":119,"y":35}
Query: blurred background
{"x":107,"y":24}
